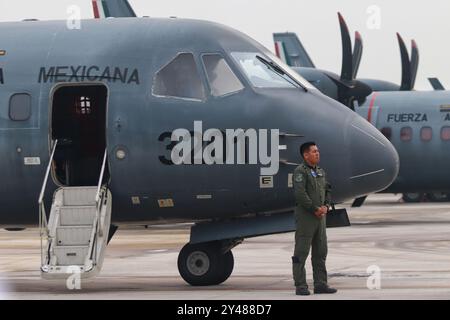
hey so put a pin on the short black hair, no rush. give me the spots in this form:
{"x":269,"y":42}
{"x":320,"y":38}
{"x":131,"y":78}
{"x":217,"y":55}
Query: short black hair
{"x":305,"y":147}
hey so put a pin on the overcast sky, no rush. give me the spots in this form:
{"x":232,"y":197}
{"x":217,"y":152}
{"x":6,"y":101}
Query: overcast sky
{"x":428,"y":22}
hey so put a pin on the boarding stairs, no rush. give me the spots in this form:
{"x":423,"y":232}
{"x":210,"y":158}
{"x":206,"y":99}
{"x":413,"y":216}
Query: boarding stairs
{"x":75,"y":236}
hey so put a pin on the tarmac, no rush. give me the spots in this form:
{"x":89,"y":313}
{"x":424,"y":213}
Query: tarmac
{"x":393,"y":250}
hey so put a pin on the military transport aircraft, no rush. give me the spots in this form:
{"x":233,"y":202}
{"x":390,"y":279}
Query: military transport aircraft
{"x":416,"y":122}
{"x":140,"y":121}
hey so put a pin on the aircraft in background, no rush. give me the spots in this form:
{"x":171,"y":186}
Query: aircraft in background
{"x":416,"y":122}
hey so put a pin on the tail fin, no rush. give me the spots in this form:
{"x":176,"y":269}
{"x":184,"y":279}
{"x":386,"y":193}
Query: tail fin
{"x":289,"y":48}
{"x":112,"y":8}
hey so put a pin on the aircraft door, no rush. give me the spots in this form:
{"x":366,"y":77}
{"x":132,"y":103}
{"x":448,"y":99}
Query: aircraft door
{"x":78,"y":122}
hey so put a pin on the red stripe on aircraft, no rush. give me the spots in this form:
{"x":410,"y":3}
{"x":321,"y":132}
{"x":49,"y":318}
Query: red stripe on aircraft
{"x":96,"y":12}
{"x":372,"y":103}
{"x":277,"y":50}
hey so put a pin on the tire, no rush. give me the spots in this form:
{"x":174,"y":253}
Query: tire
{"x":203,"y":265}
{"x":228,"y":265}
{"x":412,"y":197}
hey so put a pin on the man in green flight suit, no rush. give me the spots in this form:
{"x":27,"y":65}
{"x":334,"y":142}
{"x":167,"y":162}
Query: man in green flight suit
{"x":312,"y":196}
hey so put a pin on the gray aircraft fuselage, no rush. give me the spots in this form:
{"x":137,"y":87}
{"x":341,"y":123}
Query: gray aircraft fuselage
{"x":122,"y":56}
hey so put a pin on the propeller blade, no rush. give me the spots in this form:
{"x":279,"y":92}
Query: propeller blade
{"x":414,"y":62}
{"x":350,"y":89}
{"x":347,"y":57}
{"x":357,"y":54}
{"x":406,"y":65}
{"x":436,"y":84}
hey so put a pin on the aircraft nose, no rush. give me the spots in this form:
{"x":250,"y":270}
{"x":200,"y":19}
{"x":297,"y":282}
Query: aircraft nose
{"x":374,"y":161}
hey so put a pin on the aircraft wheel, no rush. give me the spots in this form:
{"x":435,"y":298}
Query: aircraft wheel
{"x":412,"y":197}
{"x":227,"y":265}
{"x":203,"y":264}
{"x":437,"y":197}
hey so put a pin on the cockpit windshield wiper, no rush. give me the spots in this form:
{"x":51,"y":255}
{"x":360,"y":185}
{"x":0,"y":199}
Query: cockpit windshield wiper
{"x":280,"y":72}
{"x":271,"y":65}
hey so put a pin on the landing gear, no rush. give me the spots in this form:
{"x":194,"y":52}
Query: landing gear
{"x":205,"y":264}
{"x":358,"y":202}
{"x":437,"y":197}
{"x":420,"y":197}
{"x":413,"y":197}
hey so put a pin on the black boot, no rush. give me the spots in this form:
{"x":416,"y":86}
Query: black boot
{"x":324,"y":289}
{"x":302,"y":291}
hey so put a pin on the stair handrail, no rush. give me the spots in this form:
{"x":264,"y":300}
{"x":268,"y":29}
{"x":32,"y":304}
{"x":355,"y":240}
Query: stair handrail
{"x":99,"y":198}
{"x":42,"y":214}
{"x":47,"y":173}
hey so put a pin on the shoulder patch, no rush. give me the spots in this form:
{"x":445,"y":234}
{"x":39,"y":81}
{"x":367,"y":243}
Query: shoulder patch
{"x":298,"y":177}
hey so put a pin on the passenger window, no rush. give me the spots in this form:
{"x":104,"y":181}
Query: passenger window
{"x":445,"y":133}
{"x":387,"y":132}
{"x":406,"y":134}
{"x":221,"y":78}
{"x":426,"y":134}
{"x":20,"y":107}
{"x":179,"y":79}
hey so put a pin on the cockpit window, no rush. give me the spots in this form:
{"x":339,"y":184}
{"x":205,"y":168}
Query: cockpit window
{"x":268,"y":72}
{"x":221,"y":78}
{"x":179,"y":79}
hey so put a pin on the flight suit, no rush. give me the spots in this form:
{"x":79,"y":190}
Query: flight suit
{"x":311,"y":192}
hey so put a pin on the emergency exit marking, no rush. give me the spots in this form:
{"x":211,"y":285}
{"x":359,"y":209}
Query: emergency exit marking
{"x":165,"y":203}
{"x":32,"y":161}
{"x":266,"y":182}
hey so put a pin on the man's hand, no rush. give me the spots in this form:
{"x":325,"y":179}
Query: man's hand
{"x":319,"y":213}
